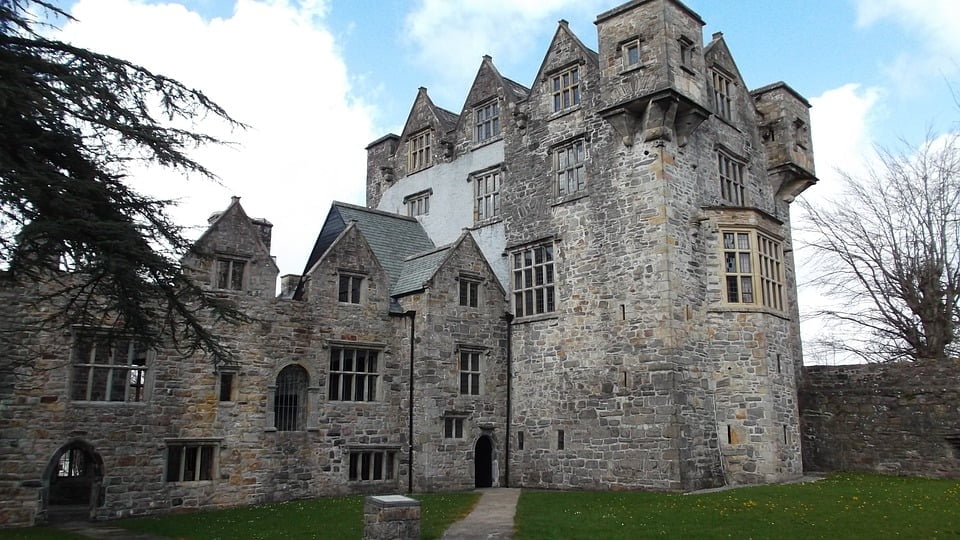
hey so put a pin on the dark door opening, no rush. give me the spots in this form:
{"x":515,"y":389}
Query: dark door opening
{"x":483,"y":462}
{"x":73,"y":479}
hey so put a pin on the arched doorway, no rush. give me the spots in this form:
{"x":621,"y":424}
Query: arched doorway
{"x":73,"y":478}
{"x":483,"y":462}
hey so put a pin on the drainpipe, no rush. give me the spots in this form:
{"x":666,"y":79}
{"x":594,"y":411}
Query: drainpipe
{"x":413,"y":336}
{"x":506,"y":459}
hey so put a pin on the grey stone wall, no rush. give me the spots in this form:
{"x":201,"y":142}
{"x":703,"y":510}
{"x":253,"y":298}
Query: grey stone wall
{"x":886,"y":418}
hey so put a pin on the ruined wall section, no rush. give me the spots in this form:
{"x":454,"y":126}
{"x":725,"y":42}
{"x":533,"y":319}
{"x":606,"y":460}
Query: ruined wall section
{"x":890,"y":418}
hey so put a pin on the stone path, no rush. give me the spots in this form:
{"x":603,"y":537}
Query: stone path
{"x":491,"y":518}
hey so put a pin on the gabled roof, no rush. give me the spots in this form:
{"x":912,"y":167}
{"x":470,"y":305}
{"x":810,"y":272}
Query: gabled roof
{"x":446,"y":120}
{"x":519,"y":91}
{"x":419,"y":268}
{"x":391,"y":237}
{"x":235,"y":210}
{"x":563,"y":30}
{"x":718,"y":48}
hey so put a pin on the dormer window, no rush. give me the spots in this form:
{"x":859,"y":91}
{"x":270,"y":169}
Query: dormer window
{"x":566,"y":89}
{"x":487,"y":118}
{"x":419,"y":155}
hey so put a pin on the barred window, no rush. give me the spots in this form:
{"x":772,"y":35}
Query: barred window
{"x":722,"y":95}
{"x":533,"y":281}
{"x":230,"y":274}
{"x":569,"y":165}
{"x":372,"y":465}
{"x":108,"y":368}
{"x":419,"y":155}
{"x":469,"y":373}
{"x":290,"y":399}
{"x":487,"y":195}
{"x":753,"y":261}
{"x":354,"y":375}
{"x":487,"y":121}
{"x":565,"y":87}
{"x":190,"y":462}
{"x":731,"y":179}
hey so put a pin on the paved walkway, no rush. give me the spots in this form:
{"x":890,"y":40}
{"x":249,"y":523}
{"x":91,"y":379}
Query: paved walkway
{"x":491,"y":518}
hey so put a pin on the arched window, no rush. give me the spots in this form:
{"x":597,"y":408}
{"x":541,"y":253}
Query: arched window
{"x":290,"y":400}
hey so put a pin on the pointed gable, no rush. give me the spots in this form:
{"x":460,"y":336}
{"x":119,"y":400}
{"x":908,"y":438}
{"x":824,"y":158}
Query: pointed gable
{"x":421,"y":141}
{"x":729,"y":96}
{"x":559,"y":85}
{"x":233,"y":253}
{"x":490,"y":97}
{"x":419,"y":270}
{"x":391,"y":237}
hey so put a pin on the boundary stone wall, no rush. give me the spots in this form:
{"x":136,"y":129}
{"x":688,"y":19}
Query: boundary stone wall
{"x":886,"y":418}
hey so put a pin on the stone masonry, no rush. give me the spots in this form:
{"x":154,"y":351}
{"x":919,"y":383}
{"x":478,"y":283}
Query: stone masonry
{"x":582,"y":284}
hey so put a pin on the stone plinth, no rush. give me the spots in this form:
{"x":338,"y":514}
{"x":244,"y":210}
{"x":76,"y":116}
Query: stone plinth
{"x":391,"y":517}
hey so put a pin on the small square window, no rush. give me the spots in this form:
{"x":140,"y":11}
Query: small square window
{"x":631,"y":53}
{"x":191,"y":462}
{"x":469,"y":292}
{"x":453,"y":427}
{"x":686,"y":52}
{"x":350,"y":289}
{"x":230,"y":274}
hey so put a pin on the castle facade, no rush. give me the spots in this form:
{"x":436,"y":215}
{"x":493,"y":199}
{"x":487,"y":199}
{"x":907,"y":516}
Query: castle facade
{"x":583,"y":284}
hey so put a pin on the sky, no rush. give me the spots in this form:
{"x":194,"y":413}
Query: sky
{"x":318,"y":80}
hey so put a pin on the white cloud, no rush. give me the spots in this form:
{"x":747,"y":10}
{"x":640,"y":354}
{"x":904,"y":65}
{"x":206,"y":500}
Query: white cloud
{"x":272,"y":65}
{"x":932,"y":26}
{"x":450,"y":36}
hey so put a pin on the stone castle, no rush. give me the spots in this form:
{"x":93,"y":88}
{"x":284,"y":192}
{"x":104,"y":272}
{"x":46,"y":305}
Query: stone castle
{"x":584,"y":284}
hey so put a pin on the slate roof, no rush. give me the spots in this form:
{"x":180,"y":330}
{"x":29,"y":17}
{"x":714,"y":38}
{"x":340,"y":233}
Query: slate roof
{"x":519,"y":91}
{"x":418,"y":269}
{"x":391,"y":237}
{"x":448,"y":119}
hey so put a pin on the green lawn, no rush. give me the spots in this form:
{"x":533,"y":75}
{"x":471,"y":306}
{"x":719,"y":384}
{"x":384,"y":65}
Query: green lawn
{"x":842,"y":506}
{"x":337,"y":517}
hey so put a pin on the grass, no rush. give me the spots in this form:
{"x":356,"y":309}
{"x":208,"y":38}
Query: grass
{"x":841,"y":506}
{"x":335,"y":517}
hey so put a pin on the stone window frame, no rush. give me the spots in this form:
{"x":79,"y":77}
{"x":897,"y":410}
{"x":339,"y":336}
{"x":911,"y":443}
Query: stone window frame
{"x":228,"y":281}
{"x":486,"y":118}
{"x":363,"y":465}
{"x":756,"y":266}
{"x":486,"y":198}
{"x":420,"y":150}
{"x":565,"y":88}
{"x":91,"y":369}
{"x":341,"y":380}
{"x":355,"y":292}
{"x":687,"y":49}
{"x":470,"y":369}
{"x":570,"y":159}
{"x":626,"y":47}
{"x":469,"y":290}
{"x":731,"y":175}
{"x":561,"y":439}
{"x":418,"y":204}
{"x":723,"y":87}
{"x":228,"y":384}
{"x":525,"y":283}
{"x":204,"y":453}
{"x":287,"y":414}
{"x":453,"y":426}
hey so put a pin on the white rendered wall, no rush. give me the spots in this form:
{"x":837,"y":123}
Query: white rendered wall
{"x":451,"y":203}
